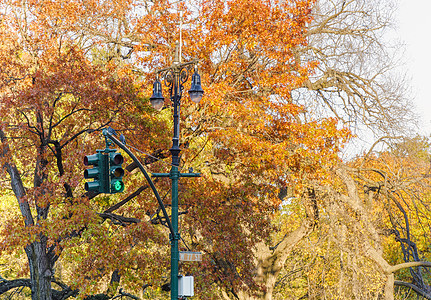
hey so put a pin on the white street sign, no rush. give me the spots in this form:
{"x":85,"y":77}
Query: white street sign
{"x":190,"y":256}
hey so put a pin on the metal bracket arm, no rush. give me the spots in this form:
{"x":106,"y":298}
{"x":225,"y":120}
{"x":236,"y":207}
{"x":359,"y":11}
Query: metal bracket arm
{"x":141,"y":167}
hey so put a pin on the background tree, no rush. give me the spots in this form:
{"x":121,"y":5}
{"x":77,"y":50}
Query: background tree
{"x":357,"y":79}
{"x":354,"y":80}
{"x":372,"y":230}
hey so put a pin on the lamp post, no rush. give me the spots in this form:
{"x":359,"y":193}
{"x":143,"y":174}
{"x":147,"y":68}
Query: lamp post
{"x":174,"y":78}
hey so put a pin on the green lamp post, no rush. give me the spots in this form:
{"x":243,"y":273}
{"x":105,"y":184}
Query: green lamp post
{"x":174,"y":78}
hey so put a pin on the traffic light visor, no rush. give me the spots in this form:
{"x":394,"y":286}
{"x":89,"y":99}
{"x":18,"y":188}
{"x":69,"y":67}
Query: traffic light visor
{"x":92,"y":186}
{"x":91,"y":173}
{"x":91,"y":159}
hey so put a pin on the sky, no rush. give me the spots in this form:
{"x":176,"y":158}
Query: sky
{"x":414,"y":29}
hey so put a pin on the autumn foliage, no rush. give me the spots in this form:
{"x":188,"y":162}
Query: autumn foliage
{"x":71,"y":68}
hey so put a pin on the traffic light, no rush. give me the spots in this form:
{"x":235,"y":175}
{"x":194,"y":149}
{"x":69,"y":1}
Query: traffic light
{"x":107,"y":172}
{"x":116,"y":172}
{"x":98,"y":172}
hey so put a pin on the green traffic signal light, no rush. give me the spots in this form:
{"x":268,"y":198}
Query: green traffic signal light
{"x":116,"y":172}
{"x":117,"y":186}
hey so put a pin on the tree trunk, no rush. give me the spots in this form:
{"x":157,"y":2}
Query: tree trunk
{"x":40,"y":271}
{"x":38,"y":259}
{"x":270,"y":261}
{"x":389,"y":287}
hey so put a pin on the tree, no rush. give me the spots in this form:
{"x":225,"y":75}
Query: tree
{"x":401,"y":181}
{"x":353,"y":81}
{"x":69,"y":72}
{"x":53,"y":98}
{"x":356,"y":79}
{"x":372,"y":230}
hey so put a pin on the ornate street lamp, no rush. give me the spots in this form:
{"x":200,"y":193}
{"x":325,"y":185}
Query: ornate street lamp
{"x":157,"y":100}
{"x":196,"y":92}
{"x":174,"y":78}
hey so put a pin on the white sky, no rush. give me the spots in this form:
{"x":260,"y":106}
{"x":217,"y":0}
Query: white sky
{"x":414,"y":28}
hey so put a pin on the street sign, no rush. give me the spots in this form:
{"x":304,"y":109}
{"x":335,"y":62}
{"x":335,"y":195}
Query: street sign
{"x":190,"y":256}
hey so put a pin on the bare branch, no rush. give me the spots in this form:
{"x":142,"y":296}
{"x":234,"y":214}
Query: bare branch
{"x":414,"y":288}
{"x":411,"y":264}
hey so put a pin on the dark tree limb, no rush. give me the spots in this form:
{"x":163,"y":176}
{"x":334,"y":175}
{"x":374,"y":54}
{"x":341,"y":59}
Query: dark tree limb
{"x":16,"y":183}
{"x":130,"y":197}
{"x":113,"y":283}
{"x":124,"y":294}
{"x":88,"y":130}
{"x":416,"y":289}
{"x":119,"y":220}
{"x":6,"y":285}
{"x":64,"y":294}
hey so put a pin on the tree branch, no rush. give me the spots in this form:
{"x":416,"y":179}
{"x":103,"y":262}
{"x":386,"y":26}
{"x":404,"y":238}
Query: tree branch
{"x":130,"y":197}
{"x":6,"y":285}
{"x":119,"y":220}
{"x":16,"y":183}
{"x":411,"y":264}
{"x":414,"y":288}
